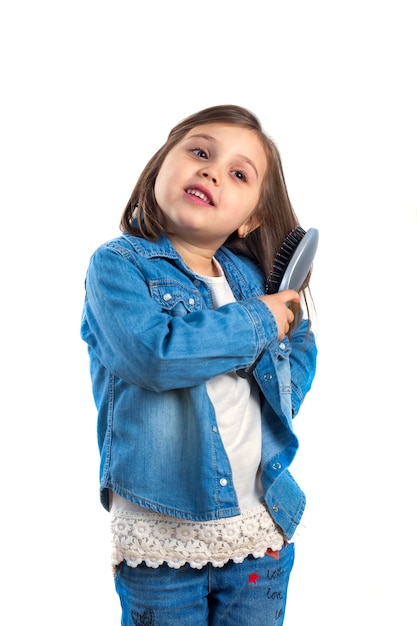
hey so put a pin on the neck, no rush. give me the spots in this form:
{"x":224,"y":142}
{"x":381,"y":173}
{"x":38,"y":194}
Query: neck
{"x":199,"y":260}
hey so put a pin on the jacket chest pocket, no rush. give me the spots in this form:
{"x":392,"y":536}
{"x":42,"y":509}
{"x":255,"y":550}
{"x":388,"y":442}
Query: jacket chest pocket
{"x":175,"y":298}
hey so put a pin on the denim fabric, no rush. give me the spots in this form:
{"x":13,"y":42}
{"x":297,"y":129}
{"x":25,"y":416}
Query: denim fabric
{"x":251,"y":593}
{"x":154,"y":340}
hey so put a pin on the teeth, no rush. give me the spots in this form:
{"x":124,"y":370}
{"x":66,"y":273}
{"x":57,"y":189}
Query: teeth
{"x":199,"y":194}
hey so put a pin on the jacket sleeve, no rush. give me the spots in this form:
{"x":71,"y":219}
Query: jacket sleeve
{"x":303,"y":359}
{"x":135,"y":339}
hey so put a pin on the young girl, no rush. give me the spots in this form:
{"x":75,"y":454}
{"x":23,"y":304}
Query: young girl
{"x":195,"y":456}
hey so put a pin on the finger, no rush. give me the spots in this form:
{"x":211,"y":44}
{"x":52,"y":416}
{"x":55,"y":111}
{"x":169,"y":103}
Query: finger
{"x":290,"y":316}
{"x":283,"y":331}
{"x":289,"y":295}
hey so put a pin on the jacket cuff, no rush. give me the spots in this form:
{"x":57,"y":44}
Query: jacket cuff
{"x":263,"y":322}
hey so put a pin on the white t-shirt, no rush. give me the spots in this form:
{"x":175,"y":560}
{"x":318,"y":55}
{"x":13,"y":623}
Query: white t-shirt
{"x":236,"y":403}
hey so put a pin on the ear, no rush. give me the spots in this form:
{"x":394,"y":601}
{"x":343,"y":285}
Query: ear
{"x":251,"y":224}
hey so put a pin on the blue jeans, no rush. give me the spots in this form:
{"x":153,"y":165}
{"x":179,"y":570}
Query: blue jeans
{"x":252,"y":593}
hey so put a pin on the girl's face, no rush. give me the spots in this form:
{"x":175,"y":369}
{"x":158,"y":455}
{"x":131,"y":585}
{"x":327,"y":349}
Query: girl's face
{"x":209,"y":185}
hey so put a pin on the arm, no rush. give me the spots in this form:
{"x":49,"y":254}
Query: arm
{"x":135,"y":339}
{"x":303,"y":347}
{"x":302,"y":362}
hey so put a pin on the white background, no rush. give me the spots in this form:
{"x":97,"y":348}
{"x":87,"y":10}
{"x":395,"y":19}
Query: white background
{"x":89,"y":92}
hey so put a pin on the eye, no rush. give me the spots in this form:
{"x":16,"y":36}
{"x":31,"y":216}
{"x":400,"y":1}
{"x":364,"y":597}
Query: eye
{"x":240,"y":174}
{"x":200,"y":153}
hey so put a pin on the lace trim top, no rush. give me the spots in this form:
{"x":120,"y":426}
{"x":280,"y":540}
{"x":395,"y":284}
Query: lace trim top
{"x":154,"y":538}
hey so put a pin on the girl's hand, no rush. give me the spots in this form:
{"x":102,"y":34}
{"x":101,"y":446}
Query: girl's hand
{"x":277,"y":304}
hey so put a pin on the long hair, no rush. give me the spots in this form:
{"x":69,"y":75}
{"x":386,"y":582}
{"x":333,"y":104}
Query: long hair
{"x":142,"y":216}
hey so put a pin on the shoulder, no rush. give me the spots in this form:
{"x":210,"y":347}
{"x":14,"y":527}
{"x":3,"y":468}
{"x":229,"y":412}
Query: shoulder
{"x":242,"y":263}
{"x":129,"y":245}
{"x":242,"y":270}
{"x":224,"y":255}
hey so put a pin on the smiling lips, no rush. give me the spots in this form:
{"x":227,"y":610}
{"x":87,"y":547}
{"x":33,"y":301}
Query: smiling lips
{"x":199,"y":193}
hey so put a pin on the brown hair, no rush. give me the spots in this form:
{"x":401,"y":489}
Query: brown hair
{"x":274,"y":207}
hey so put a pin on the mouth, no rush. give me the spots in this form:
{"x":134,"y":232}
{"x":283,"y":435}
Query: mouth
{"x":204,"y":196}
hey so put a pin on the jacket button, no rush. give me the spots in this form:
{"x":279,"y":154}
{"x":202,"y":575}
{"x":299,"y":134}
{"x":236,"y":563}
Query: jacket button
{"x":167,"y":296}
{"x":223,"y":482}
{"x":276,"y":466}
{"x":268,"y":376}
{"x":191,"y":301}
{"x":282,"y":346}
{"x":275,"y":508}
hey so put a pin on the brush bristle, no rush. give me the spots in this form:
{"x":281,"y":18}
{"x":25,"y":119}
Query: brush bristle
{"x":282,"y":259}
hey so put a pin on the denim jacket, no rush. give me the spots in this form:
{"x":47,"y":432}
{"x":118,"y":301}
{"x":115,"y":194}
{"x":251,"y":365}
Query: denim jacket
{"x":154,"y":339}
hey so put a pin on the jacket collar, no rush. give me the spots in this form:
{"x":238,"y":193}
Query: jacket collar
{"x":150,"y":249}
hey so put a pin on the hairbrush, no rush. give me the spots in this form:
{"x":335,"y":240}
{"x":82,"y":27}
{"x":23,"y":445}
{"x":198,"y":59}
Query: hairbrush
{"x":290,"y":268}
{"x":293,"y":260}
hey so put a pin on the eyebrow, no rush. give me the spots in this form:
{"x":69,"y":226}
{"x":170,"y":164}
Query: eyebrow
{"x":240,"y":156}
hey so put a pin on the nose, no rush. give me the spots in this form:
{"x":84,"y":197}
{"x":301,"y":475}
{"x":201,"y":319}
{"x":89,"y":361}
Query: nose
{"x":210,"y":175}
